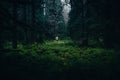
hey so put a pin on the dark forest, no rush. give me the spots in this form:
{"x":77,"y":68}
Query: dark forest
{"x":59,"y":39}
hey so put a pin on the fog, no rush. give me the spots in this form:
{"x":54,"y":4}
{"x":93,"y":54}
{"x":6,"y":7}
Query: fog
{"x":66,"y":9}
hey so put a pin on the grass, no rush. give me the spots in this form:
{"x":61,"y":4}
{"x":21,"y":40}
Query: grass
{"x":59,"y":61}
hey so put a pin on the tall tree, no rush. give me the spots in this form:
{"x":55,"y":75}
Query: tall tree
{"x":14,"y":33}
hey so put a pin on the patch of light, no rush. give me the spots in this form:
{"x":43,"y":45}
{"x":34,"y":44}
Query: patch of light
{"x":62,"y":1}
{"x":44,"y":12}
{"x":66,"y":9}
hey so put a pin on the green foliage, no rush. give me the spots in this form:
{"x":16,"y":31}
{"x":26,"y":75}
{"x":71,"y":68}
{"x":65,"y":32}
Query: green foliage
{"x":58,"y":62}
{"x":95,"y":20}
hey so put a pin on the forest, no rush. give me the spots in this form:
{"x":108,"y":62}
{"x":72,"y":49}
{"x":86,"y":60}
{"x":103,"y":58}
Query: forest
{"x":59,"y":39}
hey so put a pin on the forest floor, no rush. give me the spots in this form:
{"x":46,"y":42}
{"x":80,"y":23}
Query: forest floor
{"x":59,"y":60}
{"x":59,"y":42}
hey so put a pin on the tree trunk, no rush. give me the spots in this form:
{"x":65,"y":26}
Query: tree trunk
{"x":14,"y":32}
{"x":33,"y":22}
{"x":1,"y":41}
{"x":84,"y":27}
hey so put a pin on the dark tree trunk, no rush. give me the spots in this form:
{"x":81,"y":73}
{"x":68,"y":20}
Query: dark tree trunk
{"x":84,"y":27}
{"x":14,"y":32}
{"x":26,"y":36}
{"x":1,"y":42}
{"x":33,"y":22}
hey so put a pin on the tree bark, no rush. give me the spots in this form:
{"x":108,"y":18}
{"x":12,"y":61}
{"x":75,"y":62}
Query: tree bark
{"x":14,"y":32}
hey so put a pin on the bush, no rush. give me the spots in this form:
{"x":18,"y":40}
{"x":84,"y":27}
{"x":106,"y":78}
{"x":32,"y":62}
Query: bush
{"x":59,"y":63}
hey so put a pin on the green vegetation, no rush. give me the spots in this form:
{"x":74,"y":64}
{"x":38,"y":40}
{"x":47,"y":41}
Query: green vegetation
{"x":59,"y":61}
{"x":54,"y":40}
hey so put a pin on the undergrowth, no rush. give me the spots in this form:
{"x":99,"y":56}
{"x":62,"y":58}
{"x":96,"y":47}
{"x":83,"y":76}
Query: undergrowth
{"x":59,"y":62}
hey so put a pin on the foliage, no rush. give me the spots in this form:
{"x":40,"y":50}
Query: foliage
{"x":95,"y":20}
{"x":92,"y":54}
{"x":59,"y":62}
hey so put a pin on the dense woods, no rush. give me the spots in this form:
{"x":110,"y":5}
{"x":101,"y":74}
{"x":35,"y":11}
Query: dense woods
{"x":59,"y":39}
{"x":30,"y":21}
{"x":95,"y":20}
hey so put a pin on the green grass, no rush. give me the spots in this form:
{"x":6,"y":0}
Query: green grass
{"x":59,"y":61}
